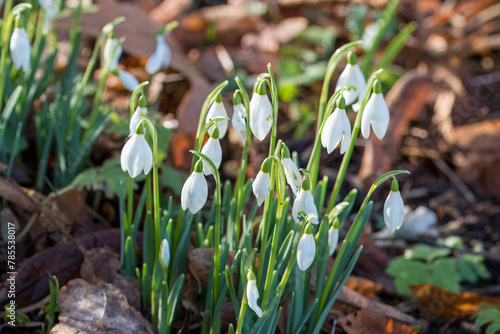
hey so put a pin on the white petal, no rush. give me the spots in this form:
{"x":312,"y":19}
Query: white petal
{"x":261,"y":116}
{"x":136,"y":119}
{"x":239,"y":121}
{"x":349,"y":78}
{"x":110,"y":46}
{"x":134,"y":162}
{"x":252,"y":296}
{"x":380,"y":117}
{"x":147,"y":157}
{"x":20,"y":49}
{"x":360,"y":78}
{"x":366,"y":118}
{"x":261,"y":186}
{"x":292,"y":175}
{"x":394,"y":211}
{"x":128,"y":80}
{"x":194,"y":192}
{"x":213,"y":150}
{"x":299,"y":206}
{"x":164,"y":253}
{"x":310,"y":207}
{"x":217,"y":109}
{"x":306,"y":251}
{"x":333,"y":239}
{"x":333,"y":131}
{"x":346,"y":138}
{"x":160,"y":58}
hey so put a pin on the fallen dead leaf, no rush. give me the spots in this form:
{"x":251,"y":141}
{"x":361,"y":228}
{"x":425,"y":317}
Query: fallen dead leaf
{"x":368,"y":321}
{"x":440,"y":303}
{"x":96,"y":309}
{"x":199,"y":261}
{"x":363,"y":286}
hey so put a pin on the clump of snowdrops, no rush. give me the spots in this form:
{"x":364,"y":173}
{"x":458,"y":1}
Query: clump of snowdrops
{"x":273,"y":249}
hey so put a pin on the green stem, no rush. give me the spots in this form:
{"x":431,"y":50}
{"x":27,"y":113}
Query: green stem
{"x":6,"y":30}
{"x":355,"y":132}
{"x":275,"y":104}
{"x":243,"y":309}
{"x":313,"y":165}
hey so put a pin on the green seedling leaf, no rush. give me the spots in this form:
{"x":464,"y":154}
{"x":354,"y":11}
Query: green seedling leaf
{"x":408,"y":272}
{"x":445,"y":275}
{"x":426,"y":253}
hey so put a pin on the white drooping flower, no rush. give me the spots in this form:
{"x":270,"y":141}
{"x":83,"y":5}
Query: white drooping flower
{"x":161,"y":57}
{"x":195,"y":190}
{"x":333,"y":239}
{"x":376,"y":114}
{"x":112,"y":45}
{"x":394,"y":208}
{"x":213,"y":150}
{"x":304,"y":203}
{"x":20,"y":49}
{"x":128,"y":80}
{"x":337,"y":129}
{"x":136,"y":119}
{"x":50,"y":7}
{"x":253,"y":294}
{"x":239,"y":121}
{"x":262,"y":183}
{"x":136,"y":156}
{"x":353,"y":79}
{"x":164,"y":253}
{"x":306,"y":250}
{"x":217,"y":109}
{"x":292,"y":173}
{"x":261,"y":115}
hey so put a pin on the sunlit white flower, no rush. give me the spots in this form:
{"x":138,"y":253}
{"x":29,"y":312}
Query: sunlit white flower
{"x":136,"y":119}
{"x":333,"y":239}
{"x":112,"y":45}
{"x":353,"y":79}
{"x":195,"y":190}
{"x":292,"y":173}
{"x":161,"y":56}
{"x":262,"y":183}
{"x":337,"y":129}
{"x":306,"y":250}
{"x":128,"y":80}
{"x":253,"y":294}
{"x":164,"y":253}
{"x":20,"y":49}
{"x":261,"y":115}
{"x":394,"y":209}
{"x":239,"y":121}
{"x":213,"y":150}
{"x":217,"y":109}
{"x":50,"y":7}
{"x":304,"y":204}
{"x":136,"y":156}
{"x":376,"y":114}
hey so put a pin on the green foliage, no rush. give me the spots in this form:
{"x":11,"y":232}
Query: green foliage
{"x":490,"y":316}
{"x":424,"y":264}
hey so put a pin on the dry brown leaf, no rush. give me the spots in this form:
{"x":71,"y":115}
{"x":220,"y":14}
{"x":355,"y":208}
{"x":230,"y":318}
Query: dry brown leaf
{"x":363,"y":286}
{"x":368,"y":321}
{"x":199,"y":261}
{"x":446,"y":305}
{"x":96,"y":309}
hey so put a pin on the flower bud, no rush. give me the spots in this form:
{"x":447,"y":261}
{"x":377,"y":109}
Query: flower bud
{"x":195,"y":190}
{"x":394,"y":209}
{"x":164,"y":253}
{"x":253,"y":293}
{"x":306,"y":250}
{"x":376,"y":114}
{"x":261,"y":114}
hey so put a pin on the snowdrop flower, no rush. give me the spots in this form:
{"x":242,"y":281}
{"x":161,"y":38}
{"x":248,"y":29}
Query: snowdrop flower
{"x":375,"y":114}
{"x":394,"y":209}
{"x":333,"y":236}
{"x":161,"y":56}
{"x":253,"y":293}
{"x":112,"y":45}
{"x":136,"y":155}
{"x":128,"y":80}
{"x":195,"y":191}
{"x":20,"y":48}
{"x":262,"y":183}
{"x":292,"y":173}
{"x":304,"y":203}
{"x":217,"y":109}
{"x":213,"y":150}
{"x":261,"y":113}
{"x":352,"y":76}
{"x":239,"y":119}
{"x":136,"y":117}
{"x":50,"y":7}
{"x":164,"y":253}
{"x":306,"y":250}
{"x":337,"y":129}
